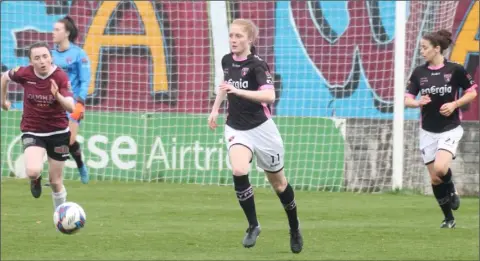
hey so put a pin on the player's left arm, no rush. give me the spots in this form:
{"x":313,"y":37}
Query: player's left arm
{"x":61,"y":91}
{"x":464,"y":81}
{"x":266,"y":90}
{"x":468,"y":85}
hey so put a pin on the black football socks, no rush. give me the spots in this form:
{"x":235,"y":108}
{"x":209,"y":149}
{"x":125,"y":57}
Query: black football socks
{"x":245,"y":198}
{"x":76,"y":154}
{"x":287,"y":197}
{"x":441,"y":194}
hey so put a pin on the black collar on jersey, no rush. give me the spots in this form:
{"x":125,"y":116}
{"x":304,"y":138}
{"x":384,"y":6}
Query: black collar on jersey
{"x":250,"y":56}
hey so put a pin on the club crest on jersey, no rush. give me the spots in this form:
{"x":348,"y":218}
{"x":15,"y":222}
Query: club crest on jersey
{"x":244,"y":71}
{"x":447,"y":77}
{"x":68,"y":60}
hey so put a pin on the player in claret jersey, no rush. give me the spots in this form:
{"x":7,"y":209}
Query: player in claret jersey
{"x":44,"y":122}
{"x":250,"y":130}
{"x":438,"y":82}
{"x":74,"y":61}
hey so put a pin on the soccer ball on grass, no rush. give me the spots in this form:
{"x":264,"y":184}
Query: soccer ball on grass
{"x":69,"y":218}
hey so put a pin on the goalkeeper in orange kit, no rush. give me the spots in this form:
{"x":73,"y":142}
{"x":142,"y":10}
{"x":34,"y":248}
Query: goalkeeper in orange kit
{"x":73,"y":60}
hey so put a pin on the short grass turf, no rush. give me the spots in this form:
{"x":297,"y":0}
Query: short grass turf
{"x":158,"y":221}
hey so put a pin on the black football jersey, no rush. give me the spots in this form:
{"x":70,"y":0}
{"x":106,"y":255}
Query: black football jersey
{"x":251,"y":74}
{"x":442,"y":85}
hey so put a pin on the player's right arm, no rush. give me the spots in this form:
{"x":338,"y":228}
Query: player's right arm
{"x":218,"y":100}
{"x":10,"y":75}
{"x":212,"y":119}
{"x":413,"y":88}
{"x":221,"y":94}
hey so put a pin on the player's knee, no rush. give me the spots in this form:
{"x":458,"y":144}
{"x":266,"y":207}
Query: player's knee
{"x":239,"y":171}
{"x":440,"y":168}
{"x":55,"y":180}
{"x":280,"y":185}
{"x":73,"y":139}
{"x":33,"y":172}
{"x":56,"y":171}
{"x":278,"y":181}
{"x":435,"y":180}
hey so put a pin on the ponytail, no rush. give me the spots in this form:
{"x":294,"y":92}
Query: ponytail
{"x":251,"y":29}
{"x":253,"y":50}
{"x":70,"y":27}
{"x":442,"y":38}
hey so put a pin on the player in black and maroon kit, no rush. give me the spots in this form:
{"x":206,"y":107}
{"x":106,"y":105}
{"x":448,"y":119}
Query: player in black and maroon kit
{"x":250,"y":130}
{"x":44,"y":121}
{"x":439,"y":82}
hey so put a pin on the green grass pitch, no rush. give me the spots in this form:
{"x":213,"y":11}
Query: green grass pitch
{"x":158,"y":221}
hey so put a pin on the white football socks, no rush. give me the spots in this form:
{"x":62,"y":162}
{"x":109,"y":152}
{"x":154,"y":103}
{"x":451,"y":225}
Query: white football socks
{"x":59,"y":197}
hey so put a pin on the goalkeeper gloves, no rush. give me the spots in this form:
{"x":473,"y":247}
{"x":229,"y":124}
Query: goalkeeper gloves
{"x":78,"y":112}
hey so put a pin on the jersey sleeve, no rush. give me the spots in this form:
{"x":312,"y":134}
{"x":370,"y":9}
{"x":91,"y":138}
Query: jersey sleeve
{"x":413,"y":86}
{"x":63,"y":83}
{"x":464,"y":79}
{"x":83,"y":67}
{"x":224,"y":61}
{"x":225,"y":67}
{"x":263,"y":77}
{"x":17,"y":74}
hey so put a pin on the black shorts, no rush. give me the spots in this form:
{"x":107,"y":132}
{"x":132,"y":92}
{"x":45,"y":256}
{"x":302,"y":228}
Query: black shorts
{"x":57,"y":146}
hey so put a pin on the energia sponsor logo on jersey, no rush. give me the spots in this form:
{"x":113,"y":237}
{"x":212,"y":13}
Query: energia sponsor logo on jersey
{"x":440,"y":90}
{"x":238,"y":84}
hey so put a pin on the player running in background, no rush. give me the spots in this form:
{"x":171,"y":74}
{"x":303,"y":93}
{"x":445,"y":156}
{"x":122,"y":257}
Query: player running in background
{"x":44,"y":122}
{"x":73,"y":60}
{"x":438,"y":82}
{"x":250,"y":130}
